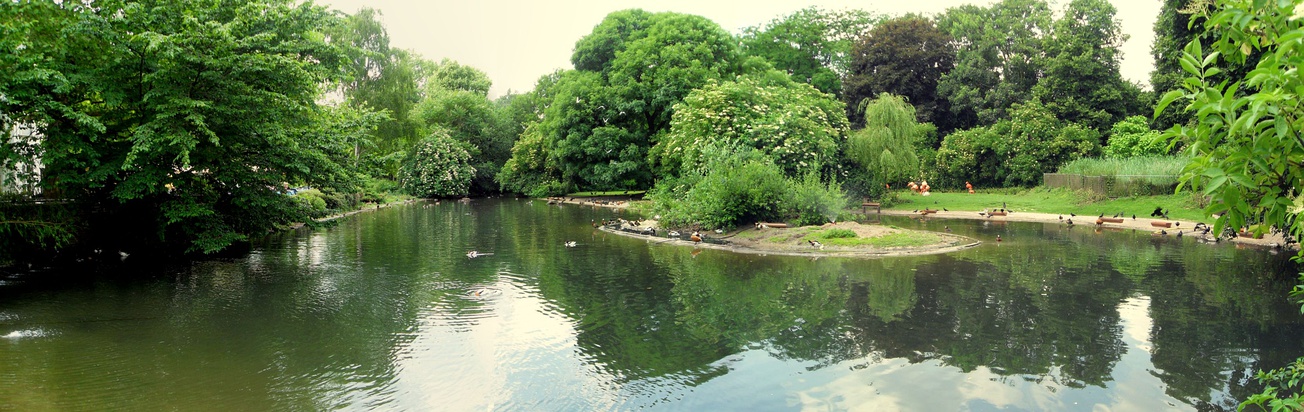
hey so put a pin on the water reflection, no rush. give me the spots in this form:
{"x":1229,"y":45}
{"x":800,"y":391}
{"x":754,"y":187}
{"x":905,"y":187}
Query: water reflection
{"x":386,"y":311}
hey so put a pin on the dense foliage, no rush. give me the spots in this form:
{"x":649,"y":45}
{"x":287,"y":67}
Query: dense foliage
{"x":792,"y":123}
{"x":999,"y":58}
{"x":1132,"y":137}
{"x":886,"y":149}
{"x":183,"y":120}
{"x":1014,"y":152}
{"x":746,"y":186}
{"x":812,"y":45}
{"x":1245,"y":137}
{"x":606,"y":115}
{"x":906,"y":57}
{"x":439,"y":166}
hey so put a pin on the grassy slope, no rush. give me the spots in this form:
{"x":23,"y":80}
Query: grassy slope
{"x":1042,"y":200}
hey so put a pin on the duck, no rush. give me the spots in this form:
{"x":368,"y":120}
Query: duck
{"x":998,"y":238}
{"x":696,"y":237}
{"x":719,"y":231}
{"x":475,"y":254}
{"x":571,"y":243}
{"x":816,"y":244}
{"x":948,"y":229}
{"x":674,"y":233}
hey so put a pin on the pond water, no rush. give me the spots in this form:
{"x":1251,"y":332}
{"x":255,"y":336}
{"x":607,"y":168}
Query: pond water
{"x":385,"y":311}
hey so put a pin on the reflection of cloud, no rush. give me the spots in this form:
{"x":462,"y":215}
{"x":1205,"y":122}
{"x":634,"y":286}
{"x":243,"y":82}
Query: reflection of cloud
{"x":896,"y":384}
{"x":513,"y":356}
{"x":1135,"y":315}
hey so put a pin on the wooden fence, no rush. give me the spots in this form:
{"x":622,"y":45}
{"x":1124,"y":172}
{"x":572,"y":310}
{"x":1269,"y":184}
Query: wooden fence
{"x":1114,"y":186}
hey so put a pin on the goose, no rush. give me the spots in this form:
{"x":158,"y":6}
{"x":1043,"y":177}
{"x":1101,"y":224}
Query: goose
{"x":816,"y":244}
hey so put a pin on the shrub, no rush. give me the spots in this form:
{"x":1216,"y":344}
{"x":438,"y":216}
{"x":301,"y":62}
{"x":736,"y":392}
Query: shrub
{"x":745,"y":187}
{"x":313,"y":202}
{"x":1132,"y":137}
{"x":814,"y":202}
{"x":438,"y":167}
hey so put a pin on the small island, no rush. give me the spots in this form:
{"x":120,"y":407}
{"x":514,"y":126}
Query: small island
{"x":842,"y":239}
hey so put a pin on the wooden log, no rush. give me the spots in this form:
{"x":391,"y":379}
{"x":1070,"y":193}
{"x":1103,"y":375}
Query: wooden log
{"x":998,"y":213}
{"x":780,"y":225}
{"x":1161,"y":224}
{"x":1109,"y":220}
{"x":927,"y":211}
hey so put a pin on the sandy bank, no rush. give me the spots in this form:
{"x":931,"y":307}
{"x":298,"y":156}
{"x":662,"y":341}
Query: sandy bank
{"x":757,"y":241}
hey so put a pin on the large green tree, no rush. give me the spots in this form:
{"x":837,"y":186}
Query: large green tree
{"x":907,"y":57}
{"x":999,"y":58}
{"x":176,"y":122}
{"x":813,"y":45}
{"x":379,"y":77}
{"x":605,"y":115}
{"x":1245,"y":137}
{"x":1082,"y":83}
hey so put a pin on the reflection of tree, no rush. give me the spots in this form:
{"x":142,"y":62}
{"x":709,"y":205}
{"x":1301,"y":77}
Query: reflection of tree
{"x":1195,"y":298}
{"x":891,"y":293}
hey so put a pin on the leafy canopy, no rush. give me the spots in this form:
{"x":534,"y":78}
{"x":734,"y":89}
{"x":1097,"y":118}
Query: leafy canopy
{"x":792,"y":123}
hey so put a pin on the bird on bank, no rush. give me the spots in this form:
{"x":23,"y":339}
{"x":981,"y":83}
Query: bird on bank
{"x":719,"y":231}
{"x":674,"y":233}
{"x":696,"y":237}
{"x":948,"y":229}
{"x":1061,"y":218}
{"x":1069,"y":222}
{"x":998,"y":238}
{"x":816,"y":244}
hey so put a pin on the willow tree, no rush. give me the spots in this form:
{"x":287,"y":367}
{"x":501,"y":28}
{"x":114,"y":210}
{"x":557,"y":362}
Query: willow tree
{"x":885,"y":148}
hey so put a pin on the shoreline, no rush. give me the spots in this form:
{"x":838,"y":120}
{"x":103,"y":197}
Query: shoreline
{"x":1186,"y":227}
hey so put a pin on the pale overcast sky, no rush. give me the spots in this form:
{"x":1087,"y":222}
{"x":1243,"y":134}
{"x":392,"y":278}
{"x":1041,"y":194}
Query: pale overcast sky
{"x":515,"y":41}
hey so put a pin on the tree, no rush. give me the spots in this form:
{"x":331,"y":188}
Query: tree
{"x":999,"y":58}
{"x":1082,"y":83}
{"x":604,"y":116}
{"x":180,"y":122}
{"x":451,"y":75}
{"x":378,"y":77}
{"x":811,"y":44}
{"x":792,"y":123}
{"x":885,"y":148}
{"x":907,"y":57}
{"x":1245,"y":140}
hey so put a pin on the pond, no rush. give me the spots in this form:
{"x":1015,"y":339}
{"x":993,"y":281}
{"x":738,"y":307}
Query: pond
{"x":385,"y":311}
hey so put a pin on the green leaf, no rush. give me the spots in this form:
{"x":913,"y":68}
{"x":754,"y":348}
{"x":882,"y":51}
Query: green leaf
{"x":1166,"y":100}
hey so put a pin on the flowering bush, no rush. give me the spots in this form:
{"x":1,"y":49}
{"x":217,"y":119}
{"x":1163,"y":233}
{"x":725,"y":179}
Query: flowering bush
{"x":792,"y":123}
{"x":437,"y":167}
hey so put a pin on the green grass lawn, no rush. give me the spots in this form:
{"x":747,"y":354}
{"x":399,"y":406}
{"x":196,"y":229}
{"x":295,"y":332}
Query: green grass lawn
{"x":1057,"y":201}
{"x":899,"y":239}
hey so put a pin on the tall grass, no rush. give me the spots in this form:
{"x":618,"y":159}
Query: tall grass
{"x":1132,"y":166}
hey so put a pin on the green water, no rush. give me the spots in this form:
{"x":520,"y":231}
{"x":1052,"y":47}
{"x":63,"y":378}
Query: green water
{"x":386,"y":312}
